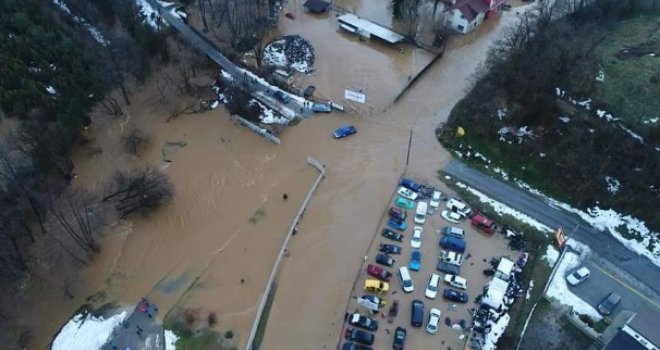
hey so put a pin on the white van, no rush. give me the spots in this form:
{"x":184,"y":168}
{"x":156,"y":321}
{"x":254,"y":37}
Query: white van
{"x":459,"y":207}
{"x":420,"y":212}
{"x":406,"y":281}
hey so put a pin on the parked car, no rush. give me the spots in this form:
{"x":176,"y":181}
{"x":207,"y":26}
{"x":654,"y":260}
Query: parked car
{"x":432,"y":288}
{"x":354,"y":346}
{"x":451,"y":257}
{"x":456,"y":281}
{"x":436,"y":197}
{"x":609,"y":304}
{"x":483,"y":223}
{"x":408,"y":183}
{"x":404,"y":203}
{"x":454,"y":231}
{"x":458,"y":207}
{"x":282,"y":96}
{"x":395,"y":236}
{"x":417,"y":313}
{"x":376,"y":286}
{"x":454,"y":295}
{"x":344,"y":131}
{"x":452,"y":243}
{"x":434,"y":321}
{"x":371,"y":302}
{"x":399,"y":338}
{"x":384,"y":259}
{"x":359,"y":336}
{"x":397,"y":213}
{"x":578,"y":276}
{"x":420,"y":212}
{"x":407,"y":283}
{"x":397,"y":224}
{"x":390,"y":248}
{"x":448,"y":268}
{"x":416,"y":239}
{"x":309,"y":91}
{"x":363,"y":322}
{"x":415,"y":260}
{"x":451,"y":216}
{"x":378,"y":272}
{"x":318,"y":107}
{"x":407,"y":193}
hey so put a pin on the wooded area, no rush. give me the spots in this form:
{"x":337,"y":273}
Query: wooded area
{"x":571,"y":152}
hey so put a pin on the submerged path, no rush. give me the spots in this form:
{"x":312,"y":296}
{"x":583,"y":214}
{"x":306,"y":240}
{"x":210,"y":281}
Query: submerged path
{"x":251,"y":81}
{"x":601,"y":242}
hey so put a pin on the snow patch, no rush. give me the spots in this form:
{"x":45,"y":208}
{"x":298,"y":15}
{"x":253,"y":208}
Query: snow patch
{"x":529,"y":290}
{"x":646,"y":242}
{"x":558,"y":289}
{"x":503,"y":209}
{"x":501,"y":113}
{"x":633,"y":134}
{"x":502,"y":173}
{"x":604,"y":115}
{"x":551,"y":255}
{"x":600,"y":76}
{"x":85,"y":332}
{"x":565,"y":119}
{"x":613,"y":185}
{"x":51,"y":90}
{"x":170,"y":340}
{"x":496,"y":331}
{"x":654,"y":120}
{"x":150,"y":15}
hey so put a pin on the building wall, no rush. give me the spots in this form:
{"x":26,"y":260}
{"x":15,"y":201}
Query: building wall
{"x":458,"y":22}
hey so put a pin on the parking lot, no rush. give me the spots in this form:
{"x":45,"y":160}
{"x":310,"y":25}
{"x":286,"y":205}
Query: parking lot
{"x":481,"y":248}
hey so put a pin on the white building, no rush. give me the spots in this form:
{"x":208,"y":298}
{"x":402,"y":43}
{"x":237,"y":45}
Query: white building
{"x":466,"y":15}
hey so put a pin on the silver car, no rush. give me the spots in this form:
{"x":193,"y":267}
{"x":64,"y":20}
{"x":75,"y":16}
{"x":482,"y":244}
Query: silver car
{"x":578,"y":276}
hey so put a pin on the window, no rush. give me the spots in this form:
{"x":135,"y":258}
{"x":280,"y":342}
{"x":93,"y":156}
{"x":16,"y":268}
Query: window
{"x":462,"y":17}
{"x":460,"y":27}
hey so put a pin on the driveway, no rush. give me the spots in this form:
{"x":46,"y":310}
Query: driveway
{"x":602,"y":243}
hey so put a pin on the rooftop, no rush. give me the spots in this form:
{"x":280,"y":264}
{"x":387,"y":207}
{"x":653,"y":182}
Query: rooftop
{"x":623,"y":341}
{"x":646,"y":322}
{"x":362,"y":25}
{"x":317,"y":6}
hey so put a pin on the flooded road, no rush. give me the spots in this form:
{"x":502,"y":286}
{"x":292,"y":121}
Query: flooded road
{"x":212,"y":247}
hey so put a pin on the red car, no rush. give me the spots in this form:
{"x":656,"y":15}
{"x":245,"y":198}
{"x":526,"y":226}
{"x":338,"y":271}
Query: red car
{"x":378,"y":272}
{"x":397,"y":213}
{"x":483,"y":223}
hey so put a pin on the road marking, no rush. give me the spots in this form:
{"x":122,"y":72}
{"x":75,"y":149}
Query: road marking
{"x":627,"y":286}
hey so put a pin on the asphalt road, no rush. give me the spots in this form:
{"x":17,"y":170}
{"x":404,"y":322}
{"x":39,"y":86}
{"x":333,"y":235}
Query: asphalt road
{"x":140,"y":331}
{"x":636,"y":267}
{"x":201,"y":43}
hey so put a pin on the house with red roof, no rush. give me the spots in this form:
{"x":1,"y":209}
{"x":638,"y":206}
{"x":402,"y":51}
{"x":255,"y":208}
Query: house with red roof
{"x":466,"y":15}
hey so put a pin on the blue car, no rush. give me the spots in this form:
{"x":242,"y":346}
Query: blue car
{"x":344,"y":131}
{"x":415,"y":261}
{"x":408,"y":183}
{"x":397,"y":224}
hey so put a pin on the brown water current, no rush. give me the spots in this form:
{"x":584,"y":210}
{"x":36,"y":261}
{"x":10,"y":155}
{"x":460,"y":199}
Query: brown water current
{"x":221,"y":233}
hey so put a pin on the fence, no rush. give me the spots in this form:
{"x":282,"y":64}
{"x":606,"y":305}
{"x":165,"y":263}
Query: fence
{"x":321,"y":168}
{"x":259,"y":130}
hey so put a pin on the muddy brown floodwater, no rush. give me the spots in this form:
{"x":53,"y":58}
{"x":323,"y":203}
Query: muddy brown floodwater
{"x":227,"y":220}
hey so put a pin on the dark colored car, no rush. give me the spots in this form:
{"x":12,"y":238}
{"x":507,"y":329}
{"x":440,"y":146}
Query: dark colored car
{"x":448,"y":268}
{"x":399,"y":338}
{"x":609,"y":304}
{"x":353,"y":346}
{"x":309,"y":91}
{"x":390,"y":248}
{"x":397,"y":224}
{"x":282,"y":97}
{"x":395,"y":236}
{"x":417,"y":313}
{"x":397,"y":213}
{"x":384,"y":259}
{"x":359,"y":336}
{"x":363,"y":322}
{"x":454,"y":295}
{"x":378,"y":272}
{"x":408,"y":183}
{"x":344,"y":131}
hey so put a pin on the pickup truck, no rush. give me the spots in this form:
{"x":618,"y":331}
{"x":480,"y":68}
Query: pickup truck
{"x":451,"y":257}
{"x":448,"y":268}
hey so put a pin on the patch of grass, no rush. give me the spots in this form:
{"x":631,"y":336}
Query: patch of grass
{"x":573,"y":332}
{"x":263,"y":321}
{"x":631,"y":87}
{"x":601,"y":325}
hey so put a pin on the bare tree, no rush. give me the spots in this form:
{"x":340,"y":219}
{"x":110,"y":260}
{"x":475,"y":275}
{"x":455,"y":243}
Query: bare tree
{"x":139,"y":191}
{"x":135,"y":141}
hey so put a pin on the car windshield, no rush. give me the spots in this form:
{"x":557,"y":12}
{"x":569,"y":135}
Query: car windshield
{"x":432,"y":288}
{"x":407,"y":283}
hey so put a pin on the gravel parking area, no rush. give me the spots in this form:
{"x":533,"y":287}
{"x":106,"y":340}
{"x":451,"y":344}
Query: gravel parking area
{"x":481,"y":248}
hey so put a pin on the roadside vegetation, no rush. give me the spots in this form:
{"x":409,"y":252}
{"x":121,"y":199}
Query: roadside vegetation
{"x":195,"y":329}
{"x":566,"y":102}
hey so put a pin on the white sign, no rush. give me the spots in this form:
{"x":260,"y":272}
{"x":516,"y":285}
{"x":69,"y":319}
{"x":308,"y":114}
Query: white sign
{"x":355,"y":96}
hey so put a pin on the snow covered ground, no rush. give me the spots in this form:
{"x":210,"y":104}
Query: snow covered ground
{"x":502,"y":209}
{"x":290,"y":51}
{"x":150,"y":15}
{"x":95,"y":33}
{"x":497,"y":329}
{"x":551,"y":255}
{"x":558,"y":289}
{"x":608,"y":220}
{"x":170,"y":340}
{"x":86,"y":332}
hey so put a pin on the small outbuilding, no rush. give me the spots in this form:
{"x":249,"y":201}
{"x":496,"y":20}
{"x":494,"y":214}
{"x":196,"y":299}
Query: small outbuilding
{"x":316,"y":6}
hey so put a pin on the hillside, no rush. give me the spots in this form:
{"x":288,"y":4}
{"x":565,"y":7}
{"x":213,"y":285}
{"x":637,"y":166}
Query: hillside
{"x":571,"y":107}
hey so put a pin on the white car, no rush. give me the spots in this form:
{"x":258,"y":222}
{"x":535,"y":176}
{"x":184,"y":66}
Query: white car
{"x":432,"y":288}
{"x":416,"y":240}
{"x":451,"y":257}
{"x":451,"y":216}
{"x":435,"y":199}
{"x":456,"y":281}
{"x":407,"y":193}
{"x":434,"y":321}
{"x":578,"y":276}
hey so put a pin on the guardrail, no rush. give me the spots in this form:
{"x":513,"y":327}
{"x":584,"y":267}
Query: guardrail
{"x":257,"y":129}
{"x":278,"y":261}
